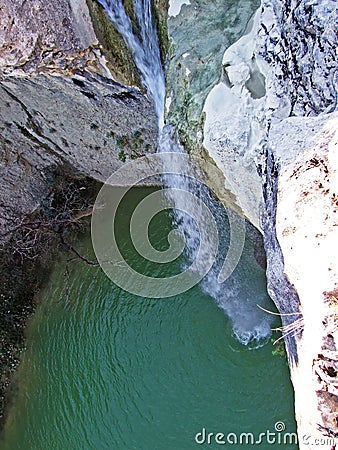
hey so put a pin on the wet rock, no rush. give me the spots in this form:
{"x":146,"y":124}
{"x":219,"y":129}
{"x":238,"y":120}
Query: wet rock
{"x":118,"y":56}
{"x":199,"y":35}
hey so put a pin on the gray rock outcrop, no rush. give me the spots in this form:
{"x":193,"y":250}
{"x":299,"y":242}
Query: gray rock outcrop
{"x":61,"y":105}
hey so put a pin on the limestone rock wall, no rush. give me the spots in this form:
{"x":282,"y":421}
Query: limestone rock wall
{"x":306,"y":231}
{"x":88,"y":124}
{"x":33,"y":33}
{"x":270,"y":125}
{"x":198,"y":36}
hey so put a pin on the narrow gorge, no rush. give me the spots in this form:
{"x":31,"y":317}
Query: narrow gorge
{"x":246,"y":93}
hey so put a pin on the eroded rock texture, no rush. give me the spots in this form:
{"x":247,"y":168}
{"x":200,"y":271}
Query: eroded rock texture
{"x":270,"y":126}
{"x":86,"y":123}
{"x":62,"y":107}
{"x":300,"y":41}
{"x":198,"y":36}
{"x":272,"y":119}
{"x":34,"y":33}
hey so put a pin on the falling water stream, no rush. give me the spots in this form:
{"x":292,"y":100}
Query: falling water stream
{"x":144,"y":46}
{"x":106,"y":369}
{"x":251,"y":325}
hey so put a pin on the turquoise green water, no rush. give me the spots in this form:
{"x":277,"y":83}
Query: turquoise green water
{"x":108,"y":370}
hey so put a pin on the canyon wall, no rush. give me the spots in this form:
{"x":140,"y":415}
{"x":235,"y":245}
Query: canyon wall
{"x":270,"y":125}
{"x":64,"y":108}
{"x":72,"y":110}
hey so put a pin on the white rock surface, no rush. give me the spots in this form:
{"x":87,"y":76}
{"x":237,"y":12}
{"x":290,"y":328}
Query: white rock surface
{"x":271,"y":127}
{"x":307,"y":231}
{"x":176,"y":5}
{"x":234,"y":128}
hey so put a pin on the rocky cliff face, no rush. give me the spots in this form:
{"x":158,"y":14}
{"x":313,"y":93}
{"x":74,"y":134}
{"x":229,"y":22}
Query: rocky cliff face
{"x":199,"y":32}
{"x":298,"y":43}
{"x":270,"y":126}
{"x":85,"y":122}
{"x":62,"y":105}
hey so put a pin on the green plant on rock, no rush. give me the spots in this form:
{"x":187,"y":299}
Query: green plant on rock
{"x":122,"y":141}
{"x":122,"y":156}
{"x":137,"y":135}
{"x":279,"y":348}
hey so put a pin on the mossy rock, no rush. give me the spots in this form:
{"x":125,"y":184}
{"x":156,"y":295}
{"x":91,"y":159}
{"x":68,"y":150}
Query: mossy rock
{"x":132,"y":147}
{"x":129,"y":8}
{"x":161,"y":15}
{"x":120,"y":60}
{"x":119,"y":57}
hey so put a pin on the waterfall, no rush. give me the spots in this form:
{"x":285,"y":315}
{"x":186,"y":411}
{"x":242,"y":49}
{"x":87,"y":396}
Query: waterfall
{"x":144,"y":44}
{"x":239,"y":296}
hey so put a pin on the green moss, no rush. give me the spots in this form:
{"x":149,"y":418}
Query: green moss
{"x":122,"y":156}
{"x":129,"y":8}
{"x":122,"y":141}
{"x":133,"y":144}
{"x":161,"y":15}
{"x":119,"y":58}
